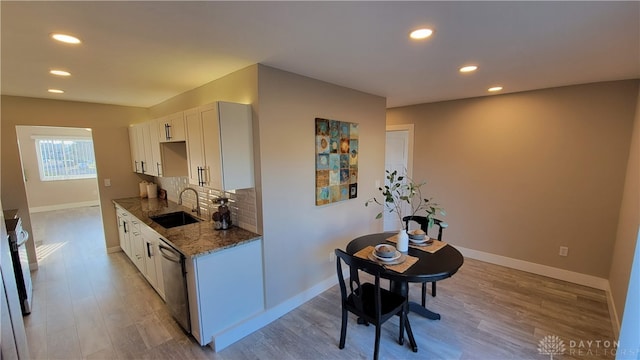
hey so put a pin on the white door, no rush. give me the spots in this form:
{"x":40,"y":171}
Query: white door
{"x":396,"y":159}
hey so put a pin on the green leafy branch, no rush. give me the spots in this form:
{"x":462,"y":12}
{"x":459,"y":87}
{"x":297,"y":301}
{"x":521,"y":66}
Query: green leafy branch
{"x":400,"y":191}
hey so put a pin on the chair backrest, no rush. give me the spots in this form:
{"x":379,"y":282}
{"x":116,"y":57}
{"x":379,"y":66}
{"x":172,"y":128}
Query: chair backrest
{"x":424,"y":224}
{"x":354,"y":287}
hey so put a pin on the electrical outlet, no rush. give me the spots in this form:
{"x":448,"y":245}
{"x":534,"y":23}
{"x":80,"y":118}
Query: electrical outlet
{"x":332,"y":256}
{"x":564,"y":251}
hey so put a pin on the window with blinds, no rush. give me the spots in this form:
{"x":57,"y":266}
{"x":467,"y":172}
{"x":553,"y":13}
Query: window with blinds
{"x":65,"y":159}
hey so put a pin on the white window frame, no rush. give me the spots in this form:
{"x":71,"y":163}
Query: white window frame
{"x":67,"y":175}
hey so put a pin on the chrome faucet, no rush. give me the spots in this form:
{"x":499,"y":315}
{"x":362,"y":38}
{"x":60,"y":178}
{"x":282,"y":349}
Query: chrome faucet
{"x":197,"y":208}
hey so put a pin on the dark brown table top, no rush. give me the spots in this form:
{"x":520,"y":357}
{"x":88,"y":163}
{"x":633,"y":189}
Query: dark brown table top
{"x":430,"y":267}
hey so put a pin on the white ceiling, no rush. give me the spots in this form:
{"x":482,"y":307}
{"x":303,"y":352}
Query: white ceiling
{"x":141,"y":53}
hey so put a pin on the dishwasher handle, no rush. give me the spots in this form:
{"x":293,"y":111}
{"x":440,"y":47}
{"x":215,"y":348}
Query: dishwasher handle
{"x":169,"y":254}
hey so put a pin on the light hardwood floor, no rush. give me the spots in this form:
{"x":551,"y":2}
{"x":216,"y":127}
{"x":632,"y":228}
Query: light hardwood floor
{"x":92,"y":305}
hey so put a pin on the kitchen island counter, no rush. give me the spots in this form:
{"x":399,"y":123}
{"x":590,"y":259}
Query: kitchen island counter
{"x":192,"y":240}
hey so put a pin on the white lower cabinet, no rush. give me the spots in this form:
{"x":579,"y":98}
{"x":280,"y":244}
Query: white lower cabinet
{"x":140,"y":243}
{"x":137,"y":245}
{"x":152,"y":264}
{"x":225,"y":288}
{"x":124,"y":230}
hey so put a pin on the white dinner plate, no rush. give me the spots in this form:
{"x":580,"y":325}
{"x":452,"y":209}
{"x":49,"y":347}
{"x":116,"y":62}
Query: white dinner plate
{"x":427,"y":243}
{"x":399,"y":260}
{"x":395,"y":257}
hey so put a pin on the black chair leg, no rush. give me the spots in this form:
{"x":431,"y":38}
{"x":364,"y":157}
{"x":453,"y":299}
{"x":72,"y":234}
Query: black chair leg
{"x":433,"y":289}
{"x":402,"y":318}
{"x":377,"y":346}
{"x":343,"y":330}
{"x":424,"y":294}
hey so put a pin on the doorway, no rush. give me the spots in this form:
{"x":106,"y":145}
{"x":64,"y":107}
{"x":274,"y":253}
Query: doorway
{"x":398,"y":157}
{"x":59,"y":173}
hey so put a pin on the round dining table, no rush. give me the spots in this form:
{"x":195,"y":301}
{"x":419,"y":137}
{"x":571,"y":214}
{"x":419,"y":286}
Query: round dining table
{"x":430,"y":267}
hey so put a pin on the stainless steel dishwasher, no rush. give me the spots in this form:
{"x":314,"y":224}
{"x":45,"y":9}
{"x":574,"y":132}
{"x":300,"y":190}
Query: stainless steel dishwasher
{"x":175,"y":284}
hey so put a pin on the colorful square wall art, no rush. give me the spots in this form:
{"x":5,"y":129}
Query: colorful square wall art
{"x":336,"y":161}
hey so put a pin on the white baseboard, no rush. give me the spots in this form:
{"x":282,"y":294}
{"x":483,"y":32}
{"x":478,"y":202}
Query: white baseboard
{"x":544,"y":270}
{"x":613,"y":314}
{"x":37,"y":209}
{"x":239,"y":331}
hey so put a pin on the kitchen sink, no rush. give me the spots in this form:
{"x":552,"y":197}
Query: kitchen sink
{"x":174,"y":219}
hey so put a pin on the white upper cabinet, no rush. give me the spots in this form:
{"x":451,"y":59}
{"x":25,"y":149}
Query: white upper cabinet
{"x":136,"y":141}
{"x":155,"y":165}
{"x":236,"y":145}
{"x":216,"y":140}
{"x":195,"y":146}
{"x":133,"y":147}
{"x":220,"y":146}
{"x":171,"y":128}
{"x":142,"y":141}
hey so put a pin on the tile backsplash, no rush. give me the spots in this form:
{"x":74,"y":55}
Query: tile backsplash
{"x":242,"y":202}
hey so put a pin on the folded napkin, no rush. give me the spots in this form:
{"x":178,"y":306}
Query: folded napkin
{"x":431,"y":248}
{"x":400,"y":268}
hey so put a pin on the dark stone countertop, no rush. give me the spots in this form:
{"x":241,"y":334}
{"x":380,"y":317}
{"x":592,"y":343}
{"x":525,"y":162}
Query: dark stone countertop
{"x":191,"y":240}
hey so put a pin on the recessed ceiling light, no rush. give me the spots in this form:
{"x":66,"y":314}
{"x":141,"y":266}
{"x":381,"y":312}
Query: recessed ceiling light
{"x":59,"y":72}
{"x":468,"y":68}
{"x":494,"y":88}
{"x":421,"y":34}
{"x":66,"y":38}
{"x":56,"y":91}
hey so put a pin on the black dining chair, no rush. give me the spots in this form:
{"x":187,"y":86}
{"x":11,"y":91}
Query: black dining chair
{"x":424,"y":225}
{"x":371,"y":303}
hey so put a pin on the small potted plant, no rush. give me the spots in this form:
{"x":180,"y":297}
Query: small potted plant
{"x":401,"y":190}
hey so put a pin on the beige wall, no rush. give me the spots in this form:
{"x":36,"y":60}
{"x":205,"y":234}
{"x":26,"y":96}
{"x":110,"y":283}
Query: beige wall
{"x":523,"y":174}
{"x":298,"y":235}
{"x":109,"y":124}
{"x":239,"y":86}
{"x":628,"y":224}
{"x":46,"y":195}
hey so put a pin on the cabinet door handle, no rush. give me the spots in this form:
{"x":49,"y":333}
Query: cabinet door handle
{"x":203,"y":176}
{"x":168,"y":130}
{"x":136,"y":165}
{"x":142,"y":165}
{"x":124,"y":224}
{"x":148,"y":250}
{"x":158,"y":166}
{"x":199,"y":176}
